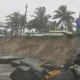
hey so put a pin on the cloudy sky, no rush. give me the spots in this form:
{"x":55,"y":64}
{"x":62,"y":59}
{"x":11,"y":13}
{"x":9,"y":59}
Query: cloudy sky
{"x":10,"y":6}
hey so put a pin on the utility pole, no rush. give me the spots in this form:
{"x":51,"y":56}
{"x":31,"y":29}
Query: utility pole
{"x":26,"y":12}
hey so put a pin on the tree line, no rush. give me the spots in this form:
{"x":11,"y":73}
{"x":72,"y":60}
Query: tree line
{"x":61,"y":20}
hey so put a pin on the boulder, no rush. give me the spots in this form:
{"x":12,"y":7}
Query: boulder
{"x":22,"y":73}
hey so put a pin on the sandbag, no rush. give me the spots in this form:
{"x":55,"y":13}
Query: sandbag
{"x":75,"y":69}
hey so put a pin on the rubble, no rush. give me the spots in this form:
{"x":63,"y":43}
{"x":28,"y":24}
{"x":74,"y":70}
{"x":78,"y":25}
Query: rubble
{"x":28,"y":69}
{"x":22,"y":73}
{"x":15,"y":63}
{"x":32,"y":69}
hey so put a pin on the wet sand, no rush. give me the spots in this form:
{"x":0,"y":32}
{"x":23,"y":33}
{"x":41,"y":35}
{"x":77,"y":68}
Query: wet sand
{"x":5,"y":71}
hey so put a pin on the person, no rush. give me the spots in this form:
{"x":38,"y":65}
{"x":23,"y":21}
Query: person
{"x":78,"y":23}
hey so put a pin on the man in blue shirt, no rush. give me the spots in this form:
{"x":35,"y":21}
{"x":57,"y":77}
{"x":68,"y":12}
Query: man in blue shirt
{"x":78,"y":24}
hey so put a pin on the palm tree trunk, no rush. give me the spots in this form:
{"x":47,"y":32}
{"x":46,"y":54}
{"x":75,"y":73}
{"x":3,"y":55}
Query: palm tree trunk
{"x":21,"y":30}
{"x":63,"y":24}
{"x":12,"y":30}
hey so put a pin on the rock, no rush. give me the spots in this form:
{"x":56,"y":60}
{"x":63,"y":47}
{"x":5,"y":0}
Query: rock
{"x":29,"y":62}
{"x":34,"y":65}
{"x":15,"y":63}
{"x":22,"y":73}
{"x":29,"y":69}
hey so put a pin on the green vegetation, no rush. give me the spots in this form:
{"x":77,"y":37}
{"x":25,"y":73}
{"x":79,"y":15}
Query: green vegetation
{"x":16,"y":22}
{"x":65,"y":17}
{"x":41,"y":22}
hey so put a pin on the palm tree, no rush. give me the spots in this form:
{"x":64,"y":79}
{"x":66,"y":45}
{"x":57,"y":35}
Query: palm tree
{"x":41,"y":17}
{"x":65,"y":17}
{"x":22,"y":23}
{"x":13,"y":21}
{"x":17,"y":22}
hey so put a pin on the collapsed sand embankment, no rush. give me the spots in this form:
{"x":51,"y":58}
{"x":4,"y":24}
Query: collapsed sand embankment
{"x":58,"y":49}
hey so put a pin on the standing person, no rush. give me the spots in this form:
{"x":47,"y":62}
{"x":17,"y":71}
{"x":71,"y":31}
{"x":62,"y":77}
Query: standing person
{"x":78,"y":24}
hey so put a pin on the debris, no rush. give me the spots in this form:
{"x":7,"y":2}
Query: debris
{"x":28,"y":69}
{"x":22,"y":73}
{"x":15,"y":63}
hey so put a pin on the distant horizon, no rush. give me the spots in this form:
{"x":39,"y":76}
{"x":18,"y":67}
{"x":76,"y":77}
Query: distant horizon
{"x":9,"y":6}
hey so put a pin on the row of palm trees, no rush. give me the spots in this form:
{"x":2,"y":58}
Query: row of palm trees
{"x":63,"y":19}
{"x":16,"y":22}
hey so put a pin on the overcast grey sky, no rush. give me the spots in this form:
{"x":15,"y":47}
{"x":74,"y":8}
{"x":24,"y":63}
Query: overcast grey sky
{"x":10,"y":6}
